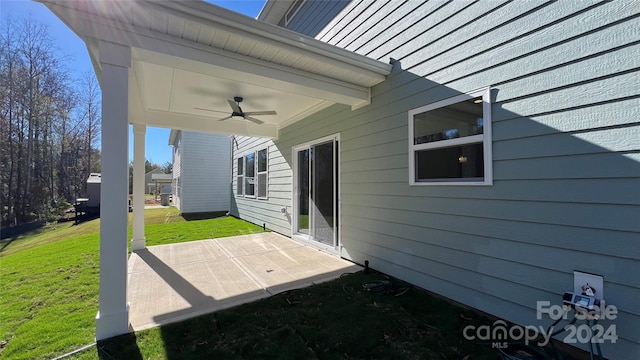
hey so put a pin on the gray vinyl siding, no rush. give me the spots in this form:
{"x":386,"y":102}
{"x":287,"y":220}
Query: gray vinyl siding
{"x":264,"y":211}
{"x":205,"y":172}
{"x":566,"y":152}
{"x":313,"y":15}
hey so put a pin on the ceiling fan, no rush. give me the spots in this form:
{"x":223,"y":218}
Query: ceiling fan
{"x":238,"y":113}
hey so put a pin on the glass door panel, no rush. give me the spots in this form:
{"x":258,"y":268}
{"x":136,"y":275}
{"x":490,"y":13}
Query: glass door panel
{"x":316,"y":193}
{"x":303,"y":193}
{"x":322,"y":196}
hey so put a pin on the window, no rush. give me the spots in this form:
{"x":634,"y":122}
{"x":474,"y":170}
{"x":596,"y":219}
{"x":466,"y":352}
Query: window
{"x":175,"y":188}
{"x":293,"y":10}
{"x":240,"y":178}
{"x":253,"y":175}
{"x":249,"y":173}
{"x":450,"y":141}
{"x":262,"y":174}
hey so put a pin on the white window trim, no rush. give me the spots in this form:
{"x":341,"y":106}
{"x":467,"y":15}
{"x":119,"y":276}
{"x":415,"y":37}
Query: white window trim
{"x":238,"y":176}
{"x":485,"y":138}
{"x":293,"y":10}
{"x":244,"y":189}
{"x":338,"y":191}
{"x":258,"y":173}
{"x":255,"y":177}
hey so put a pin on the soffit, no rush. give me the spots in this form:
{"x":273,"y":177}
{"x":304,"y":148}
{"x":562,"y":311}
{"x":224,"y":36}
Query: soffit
{"x":189,"y":55}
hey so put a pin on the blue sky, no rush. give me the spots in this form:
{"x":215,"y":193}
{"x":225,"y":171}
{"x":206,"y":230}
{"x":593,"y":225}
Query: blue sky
{"x":69,"y":44}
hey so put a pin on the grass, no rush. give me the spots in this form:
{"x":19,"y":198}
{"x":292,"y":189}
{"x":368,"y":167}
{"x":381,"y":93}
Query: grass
{"x":197,"y":230}
{"x":334,"y":320}
{"x":49,"y":299}
{"x":54,"y":232}
{"x":49,"y":280}
{"x":49,"y":233}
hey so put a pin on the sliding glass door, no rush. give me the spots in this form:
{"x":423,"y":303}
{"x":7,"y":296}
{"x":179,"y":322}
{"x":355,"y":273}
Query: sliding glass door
{"x":304,"y":191}
{"x":316,"y":192}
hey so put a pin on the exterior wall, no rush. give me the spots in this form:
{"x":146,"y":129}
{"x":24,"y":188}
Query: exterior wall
{"x":264,"y":211}
{"x":313,"y":15}
{"x":566,"y":163}
{"x":93,"y":194}
{"x":204,"y":172}
{"x":176,"y":188}
{"x":148,"y":180}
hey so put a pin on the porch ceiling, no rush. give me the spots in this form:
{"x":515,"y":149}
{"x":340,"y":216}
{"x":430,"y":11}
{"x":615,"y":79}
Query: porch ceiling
{"x":189,"y":55}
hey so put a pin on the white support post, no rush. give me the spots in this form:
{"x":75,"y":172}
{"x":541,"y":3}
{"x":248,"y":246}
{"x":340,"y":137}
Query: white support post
{"x":113,"y":314}
{"x":138,"y":241}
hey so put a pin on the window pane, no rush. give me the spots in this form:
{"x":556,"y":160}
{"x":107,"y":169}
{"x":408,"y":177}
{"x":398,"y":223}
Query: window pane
{"x":262,"y":185}
{"x":262,"y":160}
{"x":457,"y":162}
{"x":322,"y":193}
{"x":304,"y":162}
{"x":249,"y":186}
{"x":449,"y":122}
{"x":240,"y":167}
{"x":240,"y":182}
{"x":250,"y":165}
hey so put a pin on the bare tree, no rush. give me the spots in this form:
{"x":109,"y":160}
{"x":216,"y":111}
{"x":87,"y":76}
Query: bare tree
{"x":90,"y":114}
{"x":167,"y":167}
{"x":9,"y":62}
{"x":48,"y":133}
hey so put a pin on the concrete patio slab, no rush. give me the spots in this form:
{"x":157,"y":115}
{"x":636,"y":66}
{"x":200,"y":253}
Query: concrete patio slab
{"x":170,"y":283}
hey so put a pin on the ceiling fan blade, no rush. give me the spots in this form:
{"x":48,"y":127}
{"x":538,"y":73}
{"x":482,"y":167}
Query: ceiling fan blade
{"x":254,"y":120}
{"x":223,"y":112}
{"x":235,"y":107}
{"x":261,"y":113}
{"x":225,"y":118}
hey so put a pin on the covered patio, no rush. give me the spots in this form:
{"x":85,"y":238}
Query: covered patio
{"x":169,"y":283}
{"x":180,"y":65}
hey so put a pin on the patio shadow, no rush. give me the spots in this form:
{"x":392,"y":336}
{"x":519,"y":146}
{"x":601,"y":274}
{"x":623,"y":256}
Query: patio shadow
{"x":199,"y":303}
{"x":123,"y":344}
{"x":204,"y":215}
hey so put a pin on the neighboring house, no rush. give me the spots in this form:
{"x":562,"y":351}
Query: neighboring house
{"x":499,"y":156}
{"x":162,"y":183}
{"x":148,"y":180}
{"x":201,"y":171}
{"x":93,"y":190}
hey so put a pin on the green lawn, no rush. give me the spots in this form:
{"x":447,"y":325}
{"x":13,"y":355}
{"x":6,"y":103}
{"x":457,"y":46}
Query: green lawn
{"x":157,"y":234}
{"x":49,"y":299}
{"x":49,"y":280}
{"x":47,"y":234}
{"x":60,"y":231}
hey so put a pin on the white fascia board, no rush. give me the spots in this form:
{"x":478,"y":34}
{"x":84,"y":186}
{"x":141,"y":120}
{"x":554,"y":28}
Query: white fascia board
{"x":179,"y":121}
{"x":100,"y":27}
{"x":173,"y":137}
{"x":244,"y":25}
{"x":150,"y":46}
{"x":303,"y":45}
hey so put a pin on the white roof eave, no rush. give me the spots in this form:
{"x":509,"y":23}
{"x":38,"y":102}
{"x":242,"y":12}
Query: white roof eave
{"x":244,"y":25}
{"x":324,"y":74}
{"x":205,"y":13}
